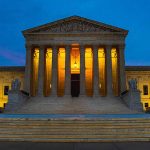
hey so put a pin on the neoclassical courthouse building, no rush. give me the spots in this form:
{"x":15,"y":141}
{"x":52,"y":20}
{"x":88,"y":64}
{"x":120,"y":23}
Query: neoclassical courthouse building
{"x":75,"y":57}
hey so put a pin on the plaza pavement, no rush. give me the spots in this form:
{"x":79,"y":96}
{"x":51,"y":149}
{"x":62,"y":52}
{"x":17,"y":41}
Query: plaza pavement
{"x":74,"y":146}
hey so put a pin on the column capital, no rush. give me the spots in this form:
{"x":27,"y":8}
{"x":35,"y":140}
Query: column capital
{"x":54,"y":46}
{"x":34,"y":45}
{"x":108,"y":47}
{"x":121,"y":46}
{"x":42,"y":47}
{"x":95,"y":46}
{"x":68,"y":47}
{"x":28,"y":46}
{"x":82,"y":46}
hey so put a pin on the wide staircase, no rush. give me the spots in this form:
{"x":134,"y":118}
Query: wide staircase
{"x":75,"y":128}
{"x":69,"y":105}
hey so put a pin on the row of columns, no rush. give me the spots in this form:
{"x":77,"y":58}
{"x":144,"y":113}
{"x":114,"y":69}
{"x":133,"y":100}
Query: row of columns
{"x":68,"y":70}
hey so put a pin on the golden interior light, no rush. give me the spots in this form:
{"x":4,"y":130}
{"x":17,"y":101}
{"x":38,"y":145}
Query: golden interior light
{"x":114,"y":59}
{"x":75,"y":64}
{"x":48,"y":71}
{"x":61,"y":71}
{"x":75,"y":60}
{"x":35,"y":69}
{"x":102,"y":72}
{"x":100,"y":85}
{"x":89,"y":71}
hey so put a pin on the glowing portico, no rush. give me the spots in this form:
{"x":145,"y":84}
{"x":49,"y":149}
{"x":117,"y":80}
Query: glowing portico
{"x":75,"y":54}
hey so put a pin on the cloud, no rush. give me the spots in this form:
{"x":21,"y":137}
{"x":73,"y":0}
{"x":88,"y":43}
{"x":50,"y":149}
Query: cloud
{"x":12,"y":57}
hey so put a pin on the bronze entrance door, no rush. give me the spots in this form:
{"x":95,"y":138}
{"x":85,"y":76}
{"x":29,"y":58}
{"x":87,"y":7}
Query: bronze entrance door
{"x":75,"y":85}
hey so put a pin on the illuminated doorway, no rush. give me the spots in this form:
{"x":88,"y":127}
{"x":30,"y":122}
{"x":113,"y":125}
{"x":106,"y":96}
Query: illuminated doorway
{"x":75,"y":72}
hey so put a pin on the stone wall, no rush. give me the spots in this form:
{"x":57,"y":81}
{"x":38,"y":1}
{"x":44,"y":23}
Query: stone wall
{"x":7,"y":74}
{"x":143,"y":78}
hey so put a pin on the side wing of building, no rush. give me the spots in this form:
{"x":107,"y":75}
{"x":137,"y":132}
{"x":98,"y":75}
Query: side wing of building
{"x":142,"y":75}
{"x":7,"y":74}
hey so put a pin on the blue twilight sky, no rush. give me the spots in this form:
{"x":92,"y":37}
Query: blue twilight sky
{"x":18,"y":15}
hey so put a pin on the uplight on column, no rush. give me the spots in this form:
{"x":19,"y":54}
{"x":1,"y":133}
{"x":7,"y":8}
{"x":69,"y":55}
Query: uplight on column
{"x":100,"y":85}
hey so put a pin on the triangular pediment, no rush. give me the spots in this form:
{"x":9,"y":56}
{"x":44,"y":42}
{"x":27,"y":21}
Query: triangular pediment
{"x":74,"y":24}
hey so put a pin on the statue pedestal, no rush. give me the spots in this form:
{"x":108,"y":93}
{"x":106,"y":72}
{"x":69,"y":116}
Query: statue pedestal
{"x":15,"y":100}
{"x":133,"y":100}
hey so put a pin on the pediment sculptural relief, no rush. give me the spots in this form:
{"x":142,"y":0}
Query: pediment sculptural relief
{"x":75,"y":26}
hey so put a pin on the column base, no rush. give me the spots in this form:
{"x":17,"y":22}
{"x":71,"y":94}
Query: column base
{"x":96,"y":95}
{"x":67,"y":96}
{"x":111,"y":96}
{"x":40,"y":95}
{"x":53,"y":95}
{"x":82,"y":95}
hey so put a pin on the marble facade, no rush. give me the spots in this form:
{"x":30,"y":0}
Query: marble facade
{"x":81,"y":33}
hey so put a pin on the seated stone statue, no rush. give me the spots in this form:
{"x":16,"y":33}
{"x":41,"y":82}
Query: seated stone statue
{"x":15,"y":85}
{"x":132,"y":84}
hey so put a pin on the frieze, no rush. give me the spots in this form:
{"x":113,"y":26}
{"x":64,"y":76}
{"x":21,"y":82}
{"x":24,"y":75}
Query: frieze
{"x":47,"y":37}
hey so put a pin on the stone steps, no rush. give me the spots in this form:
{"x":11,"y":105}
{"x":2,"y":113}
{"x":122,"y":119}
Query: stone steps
{"x":68,"y":105}
{"x":68,"y":132}
{"x":74,"y":129}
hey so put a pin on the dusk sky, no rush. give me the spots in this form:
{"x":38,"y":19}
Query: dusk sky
{"x":18,"y":15}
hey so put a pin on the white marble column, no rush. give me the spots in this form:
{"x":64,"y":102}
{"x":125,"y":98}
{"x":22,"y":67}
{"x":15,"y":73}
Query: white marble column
{"x":41,"y":71}
{"x":82,"y":71}
{"x":54,"y":71}
{"x":95,"y":71}
{"x":28,"y":68}
{"x":67,"y":71}
{"x":122,"y":68}
{"x":109,"y":70}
